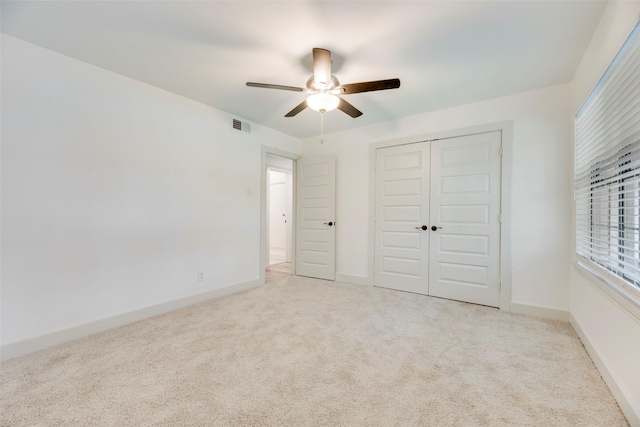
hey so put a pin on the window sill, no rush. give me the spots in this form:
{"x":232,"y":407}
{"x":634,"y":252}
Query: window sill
{"x":618,"y":292}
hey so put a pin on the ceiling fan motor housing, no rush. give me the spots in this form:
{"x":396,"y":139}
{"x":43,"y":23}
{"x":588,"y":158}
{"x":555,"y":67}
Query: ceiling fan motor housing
{"x":313,"y":86}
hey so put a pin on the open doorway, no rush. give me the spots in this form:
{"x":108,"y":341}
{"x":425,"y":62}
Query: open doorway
{"x":279,"y":218}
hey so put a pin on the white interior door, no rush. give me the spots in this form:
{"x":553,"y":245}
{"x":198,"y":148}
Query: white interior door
{"x":451,"y":186}
{"x":464,"y":260}
{"x":315,"y":213}
{"x":402,"y":210}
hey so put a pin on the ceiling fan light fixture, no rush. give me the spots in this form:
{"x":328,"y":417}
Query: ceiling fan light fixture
{"x":323,"y":87}
{"x":323,"y":102}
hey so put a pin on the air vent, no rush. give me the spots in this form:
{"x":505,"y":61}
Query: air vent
{"x":242,"y":126}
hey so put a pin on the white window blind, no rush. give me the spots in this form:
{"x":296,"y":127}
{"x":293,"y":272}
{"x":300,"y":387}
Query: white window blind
{"x":607,"y":173}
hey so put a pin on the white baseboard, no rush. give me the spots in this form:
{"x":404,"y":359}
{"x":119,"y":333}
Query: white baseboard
{"x":20,"y":348}
{"x":628,"y":407}
{"x":537,"y":311}
{"x":356,"y":280}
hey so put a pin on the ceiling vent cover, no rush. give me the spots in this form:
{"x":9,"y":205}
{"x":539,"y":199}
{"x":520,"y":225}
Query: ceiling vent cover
{"x":242,"y":126}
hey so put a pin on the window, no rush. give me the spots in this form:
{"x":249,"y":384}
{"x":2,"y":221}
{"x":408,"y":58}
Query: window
{"x":607,"y":174}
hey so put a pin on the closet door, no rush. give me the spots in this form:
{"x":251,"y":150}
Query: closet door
{"x":464,"y":260}
{"x":437,"y":219}
{"x":402,"y":217}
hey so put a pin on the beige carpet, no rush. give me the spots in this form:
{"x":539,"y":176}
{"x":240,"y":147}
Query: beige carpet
{"x":305,"y":352}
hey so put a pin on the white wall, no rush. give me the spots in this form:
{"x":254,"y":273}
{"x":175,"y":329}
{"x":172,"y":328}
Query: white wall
{"x":611,"y":333}
{"x":116,"y":193}
{"x":540,"y":185}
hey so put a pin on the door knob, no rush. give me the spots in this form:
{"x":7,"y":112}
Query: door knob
{"x":330,"y":223}
{"x":434,"y":228}
{"x":424,"y":227}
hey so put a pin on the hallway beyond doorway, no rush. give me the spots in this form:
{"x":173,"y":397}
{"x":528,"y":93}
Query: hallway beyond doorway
{"x":276,"y":272}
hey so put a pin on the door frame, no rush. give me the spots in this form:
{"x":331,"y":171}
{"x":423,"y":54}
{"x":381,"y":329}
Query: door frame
{"x":263,"y":205}
{"x":288,"y":181}
{"x":506,"y":128}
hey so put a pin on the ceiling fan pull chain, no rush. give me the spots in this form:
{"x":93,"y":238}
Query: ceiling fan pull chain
{"x":322,"y":127}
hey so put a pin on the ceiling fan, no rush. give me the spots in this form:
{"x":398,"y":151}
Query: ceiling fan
{"x":323,"y":88}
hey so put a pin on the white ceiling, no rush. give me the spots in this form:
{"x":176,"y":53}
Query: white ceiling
{"x":446,"y":53}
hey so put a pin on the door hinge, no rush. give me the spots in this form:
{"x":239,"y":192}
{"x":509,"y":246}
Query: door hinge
{"x":500,"y":218}
{"x":499,"y":286}
{"x":500,"y":151}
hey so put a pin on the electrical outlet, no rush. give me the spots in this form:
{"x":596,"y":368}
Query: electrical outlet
{"x":200,"y":276}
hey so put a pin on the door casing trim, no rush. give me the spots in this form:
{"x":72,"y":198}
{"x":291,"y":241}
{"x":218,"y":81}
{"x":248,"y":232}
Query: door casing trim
{"x":506,"y":128}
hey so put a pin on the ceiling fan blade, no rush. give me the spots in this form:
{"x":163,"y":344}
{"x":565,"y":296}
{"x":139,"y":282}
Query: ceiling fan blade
{"x":345,"y":107}
{"x":296,"y":110}
{"x":370,"y":86}
{"x":321,"y":68}
{"x":268,"y":86}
